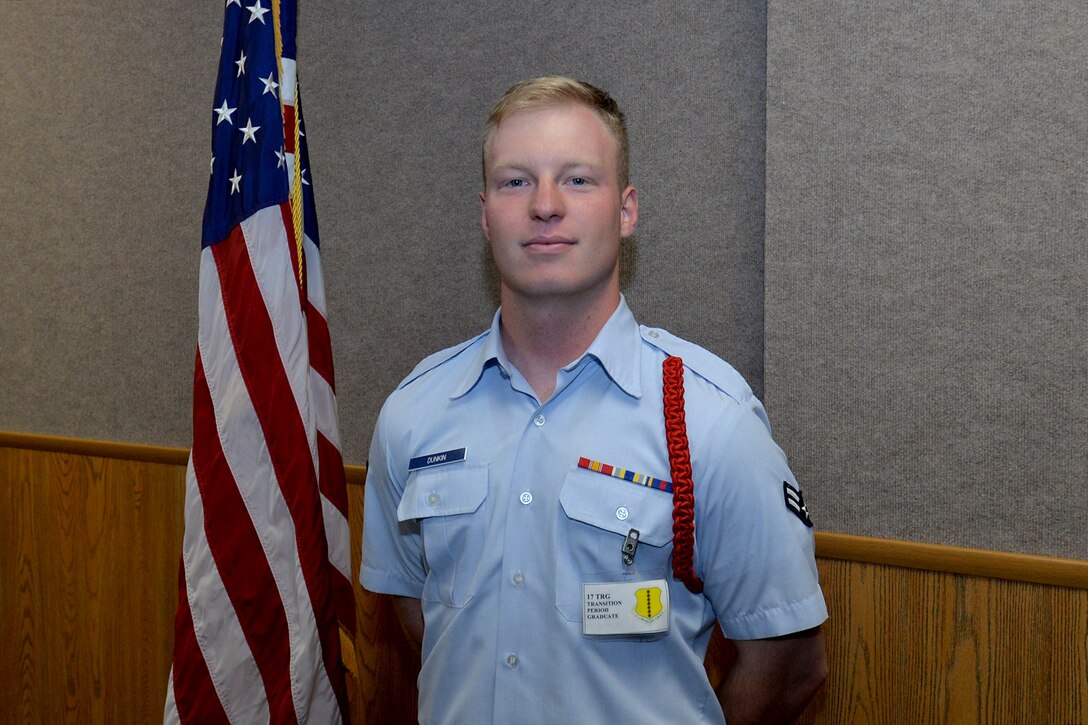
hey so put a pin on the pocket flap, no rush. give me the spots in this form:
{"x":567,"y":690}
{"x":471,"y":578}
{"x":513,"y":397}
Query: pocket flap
{"x":443,"y":491}
{"x":617,"y":506}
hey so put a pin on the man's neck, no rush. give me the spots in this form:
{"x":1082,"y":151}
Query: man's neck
{"x":542,"y":336}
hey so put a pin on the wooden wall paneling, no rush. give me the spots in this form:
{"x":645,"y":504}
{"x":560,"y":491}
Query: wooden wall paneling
{"x":954,"y":560}
{"x":89,"y":564}
{"x":910,"y":646}
{"x":387,"y":666}
{"x":20,"y":592}
{"x":89,"y":548}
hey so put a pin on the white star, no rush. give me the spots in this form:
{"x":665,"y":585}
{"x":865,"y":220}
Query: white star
{"x":225,"y":113}
{"x":211,"y":166}
{"x":282,"y":159}
{"x":256,"y":12}
{"x":270,"y":85}
{"x":304,"y":182}
{"x":249,"y":133}
{"x":234,"y":2}
{"x":241,"y":63}
{"x":234,"y":182}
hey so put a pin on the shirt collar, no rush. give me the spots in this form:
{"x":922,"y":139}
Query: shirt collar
{"x":488,"y":353}
{"x":616,"y":348}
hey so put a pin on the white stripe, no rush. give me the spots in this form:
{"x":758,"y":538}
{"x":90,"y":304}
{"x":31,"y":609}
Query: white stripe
{"x":170,"y":714}
{"x":315,"y":284}
{"x":247,"y":455}
{"x":219,"y":636}
{"x":339,"y":538}
{"x":323,"y":401}
{"x":289,"y":160}
{"x":287,"y":82}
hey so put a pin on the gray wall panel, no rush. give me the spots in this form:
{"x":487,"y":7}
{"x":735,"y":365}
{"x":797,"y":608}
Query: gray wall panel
{"x":927,"y":269}
{"x":106,"y":148}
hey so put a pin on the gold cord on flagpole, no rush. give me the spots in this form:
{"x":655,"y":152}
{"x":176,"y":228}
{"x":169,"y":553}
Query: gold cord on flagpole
{"x":296,"y":185}
{"x":296,"y":190}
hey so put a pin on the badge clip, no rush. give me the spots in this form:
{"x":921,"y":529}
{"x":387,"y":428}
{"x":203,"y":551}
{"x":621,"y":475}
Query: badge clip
{"x":629,"y":546}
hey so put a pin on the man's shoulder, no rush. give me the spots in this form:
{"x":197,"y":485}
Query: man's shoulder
{"x":442,"y":359}
{"x":708,"y":366}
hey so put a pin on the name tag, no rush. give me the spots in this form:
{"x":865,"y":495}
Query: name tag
{"x":437,"y":459}
{"x":625,"y":608}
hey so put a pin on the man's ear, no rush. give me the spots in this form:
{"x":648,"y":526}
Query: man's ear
{"x":483,"y":216}
{"x":628,"y":212}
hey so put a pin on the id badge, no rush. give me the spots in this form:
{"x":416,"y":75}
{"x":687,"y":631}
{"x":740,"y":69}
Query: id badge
{"x":625,"y":608}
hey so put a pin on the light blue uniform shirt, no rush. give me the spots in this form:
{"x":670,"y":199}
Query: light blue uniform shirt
{"x":498,"y":544}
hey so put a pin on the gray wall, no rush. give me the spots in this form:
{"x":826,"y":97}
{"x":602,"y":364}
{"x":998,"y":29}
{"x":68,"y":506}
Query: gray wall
{"x":927,"y":267}
{"x":925,"y":223}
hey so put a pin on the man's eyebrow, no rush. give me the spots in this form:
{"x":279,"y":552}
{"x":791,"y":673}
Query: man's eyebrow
{"x":581,"y":164}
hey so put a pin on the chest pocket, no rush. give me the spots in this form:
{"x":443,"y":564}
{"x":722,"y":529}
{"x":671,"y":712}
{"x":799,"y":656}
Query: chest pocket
{"x":598,"y":512}
{"x":450,"y":504}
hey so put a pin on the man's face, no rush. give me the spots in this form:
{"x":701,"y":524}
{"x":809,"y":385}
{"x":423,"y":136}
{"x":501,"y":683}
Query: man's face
{"x":552,"y":207}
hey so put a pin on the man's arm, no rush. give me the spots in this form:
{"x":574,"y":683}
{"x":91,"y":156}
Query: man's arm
{"x":773,"y":679}
{"x":410,"y":613}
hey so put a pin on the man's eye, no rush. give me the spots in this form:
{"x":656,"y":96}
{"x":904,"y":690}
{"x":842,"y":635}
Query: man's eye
{"x":515,"y":183}
{"x":579,"y":181}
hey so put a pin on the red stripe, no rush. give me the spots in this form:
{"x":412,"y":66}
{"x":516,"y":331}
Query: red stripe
{"x":583,"y":463}
{"x":607,"y":469}
{"x":333,"y":484}
{"x":289,"y":128}
{"x":344,"y":598}
{"x":317,"y":330}
{"x":334,"y":488}
{"x":194,"y":694}
{"x":240,"y":558}
{"x":284,"y":430}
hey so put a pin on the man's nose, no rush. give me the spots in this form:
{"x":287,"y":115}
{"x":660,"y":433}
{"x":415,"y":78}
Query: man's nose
{"x":547,"y":202}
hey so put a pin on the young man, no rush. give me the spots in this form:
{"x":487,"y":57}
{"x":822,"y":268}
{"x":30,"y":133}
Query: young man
{"x":525,"y":504}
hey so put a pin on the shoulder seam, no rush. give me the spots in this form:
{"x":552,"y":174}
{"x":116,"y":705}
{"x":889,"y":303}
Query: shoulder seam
{"x":438,"y":359}
{"x":701,"y":361}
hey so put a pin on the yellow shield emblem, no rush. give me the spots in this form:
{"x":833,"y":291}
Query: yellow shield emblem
{"x":648,"y":603}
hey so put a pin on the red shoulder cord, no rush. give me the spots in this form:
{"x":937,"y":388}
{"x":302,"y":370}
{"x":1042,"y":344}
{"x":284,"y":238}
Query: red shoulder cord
{"x":683,"y":488}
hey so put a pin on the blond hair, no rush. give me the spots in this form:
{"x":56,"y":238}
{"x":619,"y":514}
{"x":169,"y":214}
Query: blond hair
{"x":550,"y":91}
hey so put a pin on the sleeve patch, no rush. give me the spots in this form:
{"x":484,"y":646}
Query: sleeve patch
{"x":795,"y":502}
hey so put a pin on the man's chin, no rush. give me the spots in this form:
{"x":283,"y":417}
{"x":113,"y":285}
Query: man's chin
{"x":552,"y":290}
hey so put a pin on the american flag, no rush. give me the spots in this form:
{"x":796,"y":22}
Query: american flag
{"x":264,"y":586}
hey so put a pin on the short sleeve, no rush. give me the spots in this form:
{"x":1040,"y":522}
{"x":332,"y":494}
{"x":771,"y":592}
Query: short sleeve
{"x":755,"y":548}
{"x":392,"y":561}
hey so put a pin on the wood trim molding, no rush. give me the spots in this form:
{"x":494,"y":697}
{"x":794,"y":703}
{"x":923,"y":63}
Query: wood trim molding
{"x":931,"y":557}
{"x":124,"y":451}
{"x":954,"y":559}
{"x":103,"y":449}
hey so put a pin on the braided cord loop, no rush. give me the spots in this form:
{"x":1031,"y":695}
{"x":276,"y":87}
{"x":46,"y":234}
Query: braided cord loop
{"x":683,"y":488}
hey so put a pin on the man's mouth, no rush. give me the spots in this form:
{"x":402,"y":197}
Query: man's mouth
{"x":546,"y":244}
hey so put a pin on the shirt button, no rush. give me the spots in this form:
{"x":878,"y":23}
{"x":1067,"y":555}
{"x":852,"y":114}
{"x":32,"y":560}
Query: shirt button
{"x":518,"y":579}
{"x":526,"y":498}
{"x":538,"y":421}
{"x":512,"y":662}
{"x":432,"y":498}
{"x":654,"y":334}
{"x":622,"y":513}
